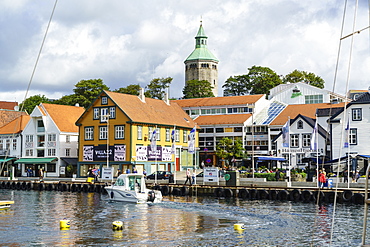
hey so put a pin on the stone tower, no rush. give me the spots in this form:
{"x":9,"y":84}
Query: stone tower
{"x":201,"y":64}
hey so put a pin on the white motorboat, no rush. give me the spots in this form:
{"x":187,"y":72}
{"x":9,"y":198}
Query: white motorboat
{"x":131,"y":188}
{"x":5,"y":204}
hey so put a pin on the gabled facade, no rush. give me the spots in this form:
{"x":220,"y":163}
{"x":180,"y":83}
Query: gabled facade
{"x":50,"y":136}
{"x":125,"y":123}
{"x":355,"y":117}
{"x":302,"y":93}
{"x":300,"y":137}
{"x":11,"y":145}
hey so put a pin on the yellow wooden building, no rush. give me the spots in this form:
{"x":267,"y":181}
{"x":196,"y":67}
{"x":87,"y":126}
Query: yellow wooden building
{"x":126,"y":123}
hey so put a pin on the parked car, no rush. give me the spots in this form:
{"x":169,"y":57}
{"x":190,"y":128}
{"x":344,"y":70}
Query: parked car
{"x":160,"y":175}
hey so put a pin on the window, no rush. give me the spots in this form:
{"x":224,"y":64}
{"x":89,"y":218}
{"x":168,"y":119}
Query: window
{"x":294,"y":140}
{"x":219,"y":130}
{"x":185,"y":136}
{"x":353,"y":136}
{"x":104,"y":100}
{"x":150,"y":131}
{"x":96,"y":113}
{"x":306,"y":140}
{"x":238,"y":129}
{"x":7,"y":144}
{"x":119,"y":132}
{"x":167,"y":135}
{"x":177,"y":135}
{"x":40,"y":126}
{"x":112,"y":112}
{"x":1,"y":145}
{"x":356,"y":114}
{"x":139,"y":132}
{"x":103,"y":133}
{"x":300,"y":124}
{"x":103,"y":115}
{"x":68,"y":138}
{"x":29,"y":152}
{"x":89,"y":133}
{"x":209,"y":130}
{"x":313,"y":99}
{"x":52,"y":137}
{"x":68,"y":152}
{"x":41,"y":141}
{"x":51,"y":152}
{"x":158,"y":134}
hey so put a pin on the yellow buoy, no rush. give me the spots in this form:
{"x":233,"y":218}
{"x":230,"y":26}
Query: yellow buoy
{"x":65,"y":224}
{"x":117,"y":225}
{"x":239,"y":227}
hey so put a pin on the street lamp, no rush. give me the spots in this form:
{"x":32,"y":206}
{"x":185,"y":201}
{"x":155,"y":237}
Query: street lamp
{"x":252,"y":143}
{"x":107,"y":119}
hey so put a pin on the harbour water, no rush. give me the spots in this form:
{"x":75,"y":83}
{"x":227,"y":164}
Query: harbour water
{"x":179,"y":221}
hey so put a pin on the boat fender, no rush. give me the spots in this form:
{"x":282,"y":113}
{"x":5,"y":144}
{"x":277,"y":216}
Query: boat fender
{"x":176,"y":192}
{"x":184,"y":191}
{"x":7,"y":186}
{"x":283,"y":195}
{"x":347,"y":195}
{"x":253,"y":193}
{"x":73,"y":187}
{"x":85,"y":188}
{"x":111,"y":195}
{"x":307,"y":196}
{"x":244,"y":194}
{"x":117,"y":225}
{"x":165,"y":190}
{"x":319,"y":196}
{"x":13,"y":185}
{"x":98,"y":188}
{"x":91,"y":187}
{"x":29,"y":186}
{"x":228,"y":193}
{"x":273,"y":195}
{"x":295,"y":195}
{"x":263,"y":194}
{"x":151,"y":196}
{"x":358,"y":198}
{"x":24,"y":186}
{"x":219,"y":192}
{"x":330,"y":196}
{"x":41,"y":186}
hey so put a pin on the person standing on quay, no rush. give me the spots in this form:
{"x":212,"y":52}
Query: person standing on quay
{"x":188,"y":176}
{"x":322,"y":179}
{"x":277,"y":175}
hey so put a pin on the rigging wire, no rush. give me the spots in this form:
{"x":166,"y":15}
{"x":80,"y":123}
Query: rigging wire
{"x":19,"y":119}
{"x":344,"y":120}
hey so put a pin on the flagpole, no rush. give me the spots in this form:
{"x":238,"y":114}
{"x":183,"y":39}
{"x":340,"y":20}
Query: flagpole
{"x":290,"y":175}
{"x":317,"y":151}
{"x":349,"y":149}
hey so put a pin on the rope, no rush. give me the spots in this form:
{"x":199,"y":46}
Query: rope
{"x":29,"y":85}
{"x":343,"y":122}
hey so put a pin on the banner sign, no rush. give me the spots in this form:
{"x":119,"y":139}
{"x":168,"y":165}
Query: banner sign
{"x":99,"y":153}
{"x":145,"y":153}
{"x":210,"y":174}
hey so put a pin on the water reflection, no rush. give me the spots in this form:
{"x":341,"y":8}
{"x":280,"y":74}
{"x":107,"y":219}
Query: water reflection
{"x":178,"y":221}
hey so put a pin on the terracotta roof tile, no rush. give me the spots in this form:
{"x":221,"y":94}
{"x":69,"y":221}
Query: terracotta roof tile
{"x":222,"y":119}
{"x":15,"y":126}
{"x":8,"y":105}
{"x":64,"y":116}
{"x":151,"y":111}
{"x":6,"y":116}
{"x":308,"y":110}
{"x":213,"y":101}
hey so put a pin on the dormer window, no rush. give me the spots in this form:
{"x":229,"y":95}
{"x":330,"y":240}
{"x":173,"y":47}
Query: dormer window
{"x":104,"y":100}
{"x":300,"y":124}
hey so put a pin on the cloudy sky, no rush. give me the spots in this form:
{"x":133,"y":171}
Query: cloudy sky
{"x":129,"y":42}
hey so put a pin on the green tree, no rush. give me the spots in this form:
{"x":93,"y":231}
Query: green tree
{"x":87,"y":90}
{"x":228,"y":149}
{"x":305,"y":77}
{"x":156,"y":88}
{"x":260,"y":80}
{"x":197,"y":89}
{"x":235,"y":86}
{"x":67,"y":100}
{"x":133,"y":89}
{"x":29,"y":104}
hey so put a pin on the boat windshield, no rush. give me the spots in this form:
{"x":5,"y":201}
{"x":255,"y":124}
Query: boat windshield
{"x":120,"y":182}
{"x":135,"y":183}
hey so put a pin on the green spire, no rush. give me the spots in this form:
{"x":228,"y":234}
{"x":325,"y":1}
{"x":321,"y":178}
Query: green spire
{"x":201,"y":51}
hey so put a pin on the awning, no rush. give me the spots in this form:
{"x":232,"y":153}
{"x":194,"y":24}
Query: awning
{"x":6,"y":160}
{"x":364,"y":155}
{"x":270,"y":158}
{"x":34,"y":160}
{"x":70,"y":161}
{"x":313,"y":159}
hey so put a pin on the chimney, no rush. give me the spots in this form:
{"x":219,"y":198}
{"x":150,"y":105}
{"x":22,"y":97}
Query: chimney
{"x":166,"y":100}
{"x":141,"y":95}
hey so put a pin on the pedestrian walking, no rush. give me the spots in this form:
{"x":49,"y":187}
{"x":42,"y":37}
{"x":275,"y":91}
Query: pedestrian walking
{"x":188,"y":176}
